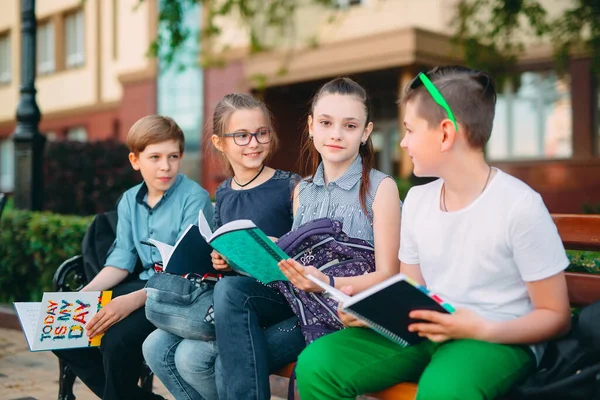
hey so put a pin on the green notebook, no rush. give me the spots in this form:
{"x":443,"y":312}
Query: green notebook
{"x":247,"y":249}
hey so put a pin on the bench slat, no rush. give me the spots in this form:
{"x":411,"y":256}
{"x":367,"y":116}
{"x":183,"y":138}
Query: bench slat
{"x":584,"y":289}
{"x":579,"y":232}
{"x":401,"y":391}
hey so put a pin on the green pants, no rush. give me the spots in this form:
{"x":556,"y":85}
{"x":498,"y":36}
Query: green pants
{"x":355,"y":361}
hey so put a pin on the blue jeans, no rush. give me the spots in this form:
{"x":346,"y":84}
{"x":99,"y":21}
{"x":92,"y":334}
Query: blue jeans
{"x":257,"y":333}
{"x":186,"y":367}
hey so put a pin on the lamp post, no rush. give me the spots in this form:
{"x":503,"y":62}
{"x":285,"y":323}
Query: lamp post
{"x":29,"y":142}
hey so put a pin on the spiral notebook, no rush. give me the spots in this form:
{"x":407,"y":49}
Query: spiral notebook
{"x":385,"y":307}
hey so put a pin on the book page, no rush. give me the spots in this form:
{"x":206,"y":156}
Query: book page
{"x":338,"y":295}
{"x":204,"y":227}
{"x":28,"y":313}
{"x":233,"y":226}
{"x":164,"y":249}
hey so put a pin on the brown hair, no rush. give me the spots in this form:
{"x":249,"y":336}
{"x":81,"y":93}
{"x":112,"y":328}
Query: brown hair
{"x":153,"y":129}
{"x":241,"y":101}
{"x":310,"y":155}
{"x":471,"y":95}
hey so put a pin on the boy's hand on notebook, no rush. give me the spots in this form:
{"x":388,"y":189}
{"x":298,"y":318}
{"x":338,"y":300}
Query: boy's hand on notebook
{"x":439,"y":327}
{"x":347,"y":319}
{"x":219,"y":262}
{"x":297,"y":272}
{"x":118,"y":308}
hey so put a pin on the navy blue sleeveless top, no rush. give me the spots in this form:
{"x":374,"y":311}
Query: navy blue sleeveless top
{"x":268,"y":205}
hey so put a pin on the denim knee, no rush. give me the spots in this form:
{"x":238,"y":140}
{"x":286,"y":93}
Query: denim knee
{"x":195,"y":359}
{"x":157,"y":346}
{"x":229,"y":292}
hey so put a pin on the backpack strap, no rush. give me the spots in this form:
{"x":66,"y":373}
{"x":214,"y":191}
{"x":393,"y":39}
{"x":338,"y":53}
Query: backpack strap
{"x":320,"y":226}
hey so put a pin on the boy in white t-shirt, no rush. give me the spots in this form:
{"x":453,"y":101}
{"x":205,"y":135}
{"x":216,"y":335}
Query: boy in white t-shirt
{"x":481,"y":239}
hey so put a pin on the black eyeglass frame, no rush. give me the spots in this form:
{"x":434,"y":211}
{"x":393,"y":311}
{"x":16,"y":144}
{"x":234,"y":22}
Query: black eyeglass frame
{"x":235,"y":136}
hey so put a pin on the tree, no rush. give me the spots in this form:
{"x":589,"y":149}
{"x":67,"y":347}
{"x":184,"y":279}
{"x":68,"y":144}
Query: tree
{"x":257,"y":16}
{"x":497,"y":25}
{"x":493,"y":25}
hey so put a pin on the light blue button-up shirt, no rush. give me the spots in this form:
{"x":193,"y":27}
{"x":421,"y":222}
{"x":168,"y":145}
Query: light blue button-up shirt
{"x":165,"y":222}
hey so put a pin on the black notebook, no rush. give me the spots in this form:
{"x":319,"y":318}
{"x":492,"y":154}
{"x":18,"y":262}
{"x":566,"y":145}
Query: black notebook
{"x":385,"y":306}
{"x":190,"y":254}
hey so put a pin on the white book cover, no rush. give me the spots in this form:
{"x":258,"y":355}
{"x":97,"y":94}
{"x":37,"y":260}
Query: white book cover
{"x":59,"y":320}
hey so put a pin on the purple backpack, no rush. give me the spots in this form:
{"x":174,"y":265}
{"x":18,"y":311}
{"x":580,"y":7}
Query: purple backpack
{"x":322,"y":244}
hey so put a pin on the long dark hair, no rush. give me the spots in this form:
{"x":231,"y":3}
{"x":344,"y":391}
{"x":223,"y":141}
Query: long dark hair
{"x":310,"y":155}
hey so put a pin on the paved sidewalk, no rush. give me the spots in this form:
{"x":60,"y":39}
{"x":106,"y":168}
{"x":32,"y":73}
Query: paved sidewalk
{"x":26,"y":375}
{"x":34,"y":376}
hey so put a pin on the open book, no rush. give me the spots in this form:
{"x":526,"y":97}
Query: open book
{"x":190,"y":254}
{"x":59,"y":320}
{"x":385,"y":306}
{"x":247,"y":249}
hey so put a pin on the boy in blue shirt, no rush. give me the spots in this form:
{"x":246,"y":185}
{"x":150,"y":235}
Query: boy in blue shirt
{"x":161,"y":207}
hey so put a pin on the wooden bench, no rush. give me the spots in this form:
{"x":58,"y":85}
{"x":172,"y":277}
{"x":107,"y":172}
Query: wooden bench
{"x":578,"y":232}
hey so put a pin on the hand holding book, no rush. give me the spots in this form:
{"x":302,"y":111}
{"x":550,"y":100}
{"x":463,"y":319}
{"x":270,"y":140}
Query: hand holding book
{"x":349,"y":320}
{"x":388,"y":307}
{"x":439,"y":327}
{"x":298,"y":275}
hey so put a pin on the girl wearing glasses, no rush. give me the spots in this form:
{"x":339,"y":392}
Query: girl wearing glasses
{"x":243,"y":133}
{"x":342,"y":185}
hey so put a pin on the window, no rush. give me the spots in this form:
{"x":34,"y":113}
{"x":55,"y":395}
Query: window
{"x":74,"y":40}
{"x":534,"y":121}
{"x":77,"y":133}
{"x":178,"y":91}
{"x":51,"y":136}
{"x":5,"y":59}
{"x":348,"y":3}
{"x":7,"y":165}
{"x":45,"y":48}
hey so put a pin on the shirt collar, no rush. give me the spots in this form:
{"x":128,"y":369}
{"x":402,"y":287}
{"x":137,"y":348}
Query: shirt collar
{"x":347,"y":180}
{"x":141,"y":194}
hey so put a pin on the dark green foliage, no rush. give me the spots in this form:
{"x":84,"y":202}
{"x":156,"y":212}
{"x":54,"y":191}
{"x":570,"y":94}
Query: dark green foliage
{"x":86,"y":178}
{"x":489,"y":31}
{"x":32,"y":246}
{"x":584,"y":261}
{"x":258,"y":16}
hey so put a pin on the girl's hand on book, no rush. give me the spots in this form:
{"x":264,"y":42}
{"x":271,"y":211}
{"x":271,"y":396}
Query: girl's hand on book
{"x":297,"y":272}
{"x":347,"y":319}
{"x":117,"y":309}
{"x":439,"y":327}
{"x":219,"y":262}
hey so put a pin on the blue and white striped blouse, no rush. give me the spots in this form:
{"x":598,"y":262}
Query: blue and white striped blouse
{"x":339,"y":200}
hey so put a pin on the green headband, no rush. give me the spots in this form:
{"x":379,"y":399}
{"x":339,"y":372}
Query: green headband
{"x":437,"y":97}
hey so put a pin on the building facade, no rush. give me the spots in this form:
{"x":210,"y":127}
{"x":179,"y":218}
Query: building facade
{"x":94,"y":78}
{"x":546,"y":130}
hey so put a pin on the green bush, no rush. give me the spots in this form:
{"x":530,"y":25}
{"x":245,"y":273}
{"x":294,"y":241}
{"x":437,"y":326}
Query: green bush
{"x":32,"y":246}
{"x":584,"y":261}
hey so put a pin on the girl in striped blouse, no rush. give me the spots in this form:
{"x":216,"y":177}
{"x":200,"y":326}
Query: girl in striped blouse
{"x":343,"y":185}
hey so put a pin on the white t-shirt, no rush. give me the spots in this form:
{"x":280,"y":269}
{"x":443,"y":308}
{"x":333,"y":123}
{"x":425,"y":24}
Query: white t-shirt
{"x":481,"y":256}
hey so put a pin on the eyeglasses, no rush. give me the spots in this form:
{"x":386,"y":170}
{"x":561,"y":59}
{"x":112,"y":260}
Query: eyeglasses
{"x":262,"y":136}
{"x":435,"y":94}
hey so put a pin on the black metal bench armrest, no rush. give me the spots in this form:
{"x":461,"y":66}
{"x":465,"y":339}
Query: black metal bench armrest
{"x":70,"y":276}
